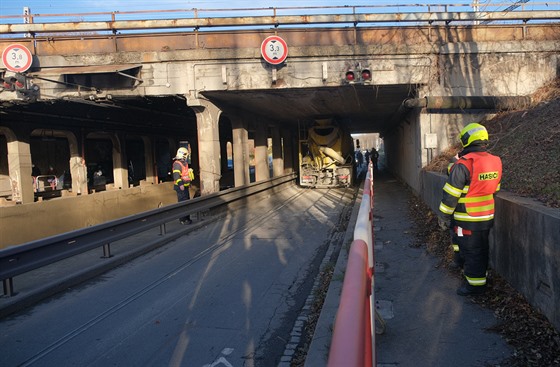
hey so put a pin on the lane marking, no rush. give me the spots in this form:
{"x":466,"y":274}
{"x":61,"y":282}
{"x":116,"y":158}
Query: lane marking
{"x":221,"y":359}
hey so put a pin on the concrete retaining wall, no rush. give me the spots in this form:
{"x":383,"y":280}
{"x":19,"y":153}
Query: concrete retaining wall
{"x":28,"y":222}
{"x":524,"y":245}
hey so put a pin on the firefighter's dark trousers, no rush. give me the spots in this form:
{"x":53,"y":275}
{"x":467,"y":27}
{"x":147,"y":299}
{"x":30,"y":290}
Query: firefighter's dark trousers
{"x":182,"y":195}
{"x":458,"y":260}
{"x":474,"y":249}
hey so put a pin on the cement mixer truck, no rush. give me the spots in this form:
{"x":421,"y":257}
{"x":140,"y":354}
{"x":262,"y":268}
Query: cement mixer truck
{"x":326,"y":155}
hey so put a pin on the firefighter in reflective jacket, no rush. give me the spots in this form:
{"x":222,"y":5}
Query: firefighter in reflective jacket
{"x":182,"y":177}
{"x":468,"y":203}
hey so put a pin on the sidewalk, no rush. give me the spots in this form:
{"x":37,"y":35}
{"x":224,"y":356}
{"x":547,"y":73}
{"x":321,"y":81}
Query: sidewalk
{"x":427,"y":324}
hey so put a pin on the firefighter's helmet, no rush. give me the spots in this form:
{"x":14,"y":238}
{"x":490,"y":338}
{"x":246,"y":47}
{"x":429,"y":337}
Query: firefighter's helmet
{"x":182,"y":153}
{"x":473,"y":133}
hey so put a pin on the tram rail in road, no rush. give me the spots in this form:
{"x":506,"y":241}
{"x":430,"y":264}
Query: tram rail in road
{"x":230,"y":290}
{"x":17,"y":260}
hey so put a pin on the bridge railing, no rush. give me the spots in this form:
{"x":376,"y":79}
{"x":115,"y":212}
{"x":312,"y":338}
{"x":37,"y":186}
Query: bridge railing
{"x":353,"y":341}
{"x":243,"y":18}
{"x":276,"y":11}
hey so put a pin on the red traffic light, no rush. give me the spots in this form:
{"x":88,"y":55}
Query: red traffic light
{"x":6,"y":84}
{"x":366,"y":74}
{"x":359,"y":76}
{"x":350,"y":76}
{"x":16,"y":82}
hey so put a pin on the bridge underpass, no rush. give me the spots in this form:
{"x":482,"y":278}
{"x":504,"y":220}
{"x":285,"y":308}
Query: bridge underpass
{"x":211,"y":88}
{"x":214,"y":90}
{"x":363,"y":108}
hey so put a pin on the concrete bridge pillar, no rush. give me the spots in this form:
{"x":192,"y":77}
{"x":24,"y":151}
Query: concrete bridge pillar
{"x":261,"y":151}
{"x":240,"y":152}
{"x":149,"y":158}
{"x":277,"y":158}
{"x":19,"y":166}
{"x":207,"y":118}
{"x":120,"y":167}
{"x":78,"y":169}
{"x":288,"y":149}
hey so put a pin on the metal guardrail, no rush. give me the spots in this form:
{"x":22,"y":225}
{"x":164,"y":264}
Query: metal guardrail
{"x":41,"y":182}
{"x":113,"y":22}
{"x":283,"y":10}
{"x":20,"y":259}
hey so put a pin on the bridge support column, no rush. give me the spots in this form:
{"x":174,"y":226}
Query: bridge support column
{"x":207,"y":118}
{"x":262,"y":171}
{"x":120,"y":168}
{"x":240,"y":152}
{"x":149,"y":158}
{"x":19,"y":167}
{"x":78,"y":169}
{"x":288,"y":149}
{"x":277,"y":158}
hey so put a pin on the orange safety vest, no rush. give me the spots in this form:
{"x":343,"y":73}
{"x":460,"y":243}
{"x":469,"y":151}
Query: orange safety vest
{"x":184,"y":171}
{"x":486,"y":173}
{"x":185,"y":174}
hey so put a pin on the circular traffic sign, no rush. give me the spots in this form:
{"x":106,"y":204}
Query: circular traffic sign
{"x":17,"y":58}
{"x":274,"y":50}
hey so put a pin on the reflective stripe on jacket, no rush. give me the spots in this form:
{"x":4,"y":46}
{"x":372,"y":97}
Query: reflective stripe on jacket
{"x":468,"y":194}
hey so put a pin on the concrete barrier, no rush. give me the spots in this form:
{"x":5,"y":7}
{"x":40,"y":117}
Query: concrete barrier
{"x":524,"y":245}
{"x":28,"y":222}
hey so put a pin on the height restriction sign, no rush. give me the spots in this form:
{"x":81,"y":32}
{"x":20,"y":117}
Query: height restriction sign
{"x":274,"y":50}
{"x":17,"y":58}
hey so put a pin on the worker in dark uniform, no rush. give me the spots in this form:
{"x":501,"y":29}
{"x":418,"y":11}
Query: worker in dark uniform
{"x":374,"y":158}
{"x":182,"y":177}
{"x":468,"y":202}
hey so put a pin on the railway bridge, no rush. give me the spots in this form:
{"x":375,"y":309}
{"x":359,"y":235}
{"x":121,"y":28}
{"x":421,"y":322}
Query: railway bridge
{"x":117,"y":97}
{"x":118,"y":93}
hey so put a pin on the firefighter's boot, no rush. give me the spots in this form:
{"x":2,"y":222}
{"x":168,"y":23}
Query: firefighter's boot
{"x":469,"y":290}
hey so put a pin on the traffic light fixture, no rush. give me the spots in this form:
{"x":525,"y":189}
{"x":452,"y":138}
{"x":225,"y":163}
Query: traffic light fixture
{"x":12,"y":83}
{"x":350,"y":76}
{"x":361,"y":76}
{"x":366,"y":75}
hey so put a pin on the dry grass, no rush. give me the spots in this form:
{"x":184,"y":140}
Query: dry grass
{"x":440,"y":162}
{"x":528,"y":143}
{"x":547,"y":93}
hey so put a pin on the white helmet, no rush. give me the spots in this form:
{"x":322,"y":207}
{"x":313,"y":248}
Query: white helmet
{"x":182,"y":153}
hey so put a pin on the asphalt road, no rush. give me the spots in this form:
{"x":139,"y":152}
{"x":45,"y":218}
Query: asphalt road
{"x":227,"y":294}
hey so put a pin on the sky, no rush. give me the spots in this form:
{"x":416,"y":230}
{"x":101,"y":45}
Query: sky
{"x":81,"y":6}
{"x":15,"y":7}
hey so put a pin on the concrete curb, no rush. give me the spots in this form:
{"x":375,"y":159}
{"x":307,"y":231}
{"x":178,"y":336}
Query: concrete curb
{"x":318,"y":352}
